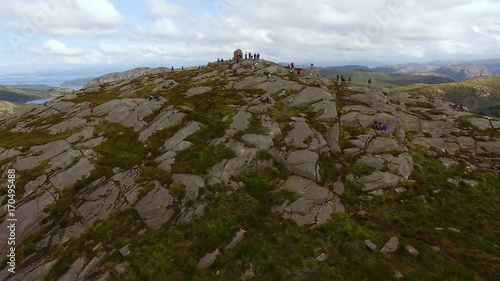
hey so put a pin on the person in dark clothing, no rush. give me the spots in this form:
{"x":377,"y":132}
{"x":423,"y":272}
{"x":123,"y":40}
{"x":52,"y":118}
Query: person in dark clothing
{"x":349,"y":80}
{"x":91,"y":109}
{"x":369,"y":83}
{"x":337,"y":77}
{"x":172,"y":68}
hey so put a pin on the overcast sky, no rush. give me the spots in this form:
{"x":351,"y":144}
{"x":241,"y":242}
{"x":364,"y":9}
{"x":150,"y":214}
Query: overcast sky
{"x":46,"y":34}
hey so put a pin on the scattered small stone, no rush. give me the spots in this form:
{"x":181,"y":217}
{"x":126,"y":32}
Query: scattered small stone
{"x":361,"y":213}
{"x":391,"y":246}
{"x":350,"y":178}
{"x":125,"y":251}
{"x":437,"y":191}
{"x":339,"y":188}
{"x":370,"y":245}
{"x":452,"y":181}
{"x":98,"y":246}
{"x":378,"y":192}
{"x":208,"y":259}
{"x":322,"y":257}
{"x":400,"y":189}
{"x":120,"y":268}
{"x":249,"y":274}
{"x":237,"y":239}
{"x":398,"y":275}
{"x":453,"y":229}
{"x":472,"y":183}
{"x":423,"y":198}
{"x":431,"y":153}
{"x":435,"y":248}
{"x":411,"y":250}
{"x":438,"y":228}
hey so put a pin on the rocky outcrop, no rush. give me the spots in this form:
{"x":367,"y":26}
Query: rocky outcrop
{"x":315,"y":205}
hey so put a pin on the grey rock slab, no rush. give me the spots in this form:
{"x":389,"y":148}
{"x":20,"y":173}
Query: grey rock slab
{"x":303,"y":163}
{"x":384,"y":144}
{"x":329,"y":110}
{"x":91,"y":143}
{"x":262,"y":142}
{"x":9,"y":153}
{"x":495,"y":124}
{"x":437,"y":128}
{"x":391,"y":246}
{"x":378,"y":180}
{"x":466,"y":143}
{"x":128,"y":112}
{"x":192,"y":184}
{"x":356,"y":119}
{"x":408,"y":121}
{"x":359,"y":108}
{"x":299,"y":134}
{"x":272,"y":127}
{"x":333,"y":138}
{"x":64,"y":159}
{"x":208,"y":259}
{"x":99,"y":201}
{"x":84,"y":135}
{"x":181,"y":135}
{"x":375,"y":161}
{"x":480,"y":123}
{"x":338,"y":188}
{"x":35,"y":271}
{"x":67,"y":125}
{"x":308,"y":96}
{"x":492,"y":146}
{"x":198,"y":91}
{"x":314,"y":206}
{"x":447,"y":162}
{"x":437,"y":143}
{"x":370,"y":245}
{"x":171,"y":117}
{"x":240,"y":122}
{"x":28,"y":215}
{"x":156,"y":207}
{"x":32,"y":186}
{"x":237,"y":239}
{"x":401,"y":164}
{"x":70,"y":176}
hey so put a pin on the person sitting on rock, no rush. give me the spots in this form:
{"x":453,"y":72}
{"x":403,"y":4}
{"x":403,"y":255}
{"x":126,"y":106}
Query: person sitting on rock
{"x":265,"y":100}
{"x":383,"y":127}
{"x":376,"y":125}
{"x":157,"y":97}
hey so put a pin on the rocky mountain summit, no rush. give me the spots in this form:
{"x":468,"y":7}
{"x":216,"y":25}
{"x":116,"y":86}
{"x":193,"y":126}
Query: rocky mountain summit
{"x":209,"y":182}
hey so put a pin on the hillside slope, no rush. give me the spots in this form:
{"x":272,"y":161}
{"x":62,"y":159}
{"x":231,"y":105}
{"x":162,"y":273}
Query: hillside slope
{"x":209,"y":183}
{"x":24,"y":94}
{"x":480,"y":95}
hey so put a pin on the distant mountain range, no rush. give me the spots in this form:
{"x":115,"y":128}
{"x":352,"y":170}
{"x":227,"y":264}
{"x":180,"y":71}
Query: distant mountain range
{"x":450,"y":69}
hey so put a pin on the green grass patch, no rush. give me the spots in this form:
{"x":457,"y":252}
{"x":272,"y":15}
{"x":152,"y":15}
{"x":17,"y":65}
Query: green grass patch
{"x":122,"y":148}
{"x":198,"y":159}
{"x":112,"y":234}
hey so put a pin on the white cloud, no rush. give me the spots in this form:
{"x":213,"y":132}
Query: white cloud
{"x":320,"y":31}
{"x":161,"y":8}
{"x":55,"y":48}
{"x":91,"y":18}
